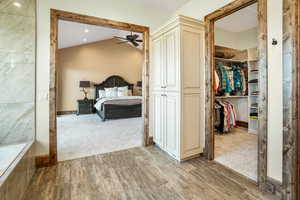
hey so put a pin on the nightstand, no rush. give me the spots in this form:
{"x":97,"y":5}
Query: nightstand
{"x":85,"y":106}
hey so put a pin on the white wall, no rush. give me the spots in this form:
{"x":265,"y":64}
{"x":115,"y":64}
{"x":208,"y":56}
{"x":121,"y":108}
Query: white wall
{"x":120,"y":10}
{"x":226,"y":38}
{"x":198,"y":9}
{"x":236,"y":40}
{"x":249,"y":38}
{"x":275,"y":90}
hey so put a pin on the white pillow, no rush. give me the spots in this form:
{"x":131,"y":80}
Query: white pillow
{"x":101,"y":94}
{"x":122,"y":91}
{"x":111,"y":92}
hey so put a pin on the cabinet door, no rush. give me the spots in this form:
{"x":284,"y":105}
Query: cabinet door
{"x":157,"y":64}
{"x":171,"y":57}
{"x":172,"y":123}
{"x":158,"y":118}
{"x":191,"y":141}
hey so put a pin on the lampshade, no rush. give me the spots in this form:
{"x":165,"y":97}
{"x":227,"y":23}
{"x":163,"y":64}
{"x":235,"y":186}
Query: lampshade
{"x":84,"y":84}
{"x":139,"y":84}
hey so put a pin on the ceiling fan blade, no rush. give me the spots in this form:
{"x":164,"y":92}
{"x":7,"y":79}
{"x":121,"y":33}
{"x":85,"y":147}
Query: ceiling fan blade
{"x":122,"y":42}
{"x":135,"y":43}
{"x":139,"y":40}
{"x":120,"y":38}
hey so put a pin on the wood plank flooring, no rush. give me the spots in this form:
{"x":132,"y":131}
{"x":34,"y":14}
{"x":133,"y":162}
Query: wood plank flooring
{"x":141,"y":174}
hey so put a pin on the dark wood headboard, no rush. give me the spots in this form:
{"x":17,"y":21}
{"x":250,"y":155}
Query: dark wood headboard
{"x":112,"y":81}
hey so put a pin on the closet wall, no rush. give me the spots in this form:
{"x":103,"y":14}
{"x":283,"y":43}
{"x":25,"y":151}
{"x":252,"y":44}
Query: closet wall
{"x":236,"y":40}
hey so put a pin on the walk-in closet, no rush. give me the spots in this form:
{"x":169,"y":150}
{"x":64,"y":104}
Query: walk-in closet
{"x":236,"y":91}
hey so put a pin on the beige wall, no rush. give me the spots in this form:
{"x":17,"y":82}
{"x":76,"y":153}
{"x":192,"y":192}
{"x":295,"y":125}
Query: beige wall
{"x":94,"y":62}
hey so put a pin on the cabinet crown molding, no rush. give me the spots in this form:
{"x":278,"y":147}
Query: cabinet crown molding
{"x":176,"y":21}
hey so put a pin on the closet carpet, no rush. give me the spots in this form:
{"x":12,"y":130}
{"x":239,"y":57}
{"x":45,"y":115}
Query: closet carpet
{"x":86,"y":135}
{"x":238,"y":150}
{"x":140,"y":174}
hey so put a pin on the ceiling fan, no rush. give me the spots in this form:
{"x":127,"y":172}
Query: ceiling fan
{"x":132,"y":38}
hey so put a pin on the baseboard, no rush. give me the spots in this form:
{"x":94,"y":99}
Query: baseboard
{"x":242,"y":124}
{"x":150,"y":141}
{"x":273,"y":186}
{"x":66,"y":112}
{"x":42,"y":161}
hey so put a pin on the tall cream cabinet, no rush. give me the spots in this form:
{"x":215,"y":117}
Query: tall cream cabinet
{"x":177,"y":87}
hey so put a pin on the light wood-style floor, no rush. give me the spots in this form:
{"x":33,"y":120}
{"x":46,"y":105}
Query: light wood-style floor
{"x":140,"y":173}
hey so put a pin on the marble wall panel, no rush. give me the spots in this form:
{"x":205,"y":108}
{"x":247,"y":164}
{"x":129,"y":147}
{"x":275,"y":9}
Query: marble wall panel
{"x":27,"y":7}
{"x":18,"y":34}
{"x":16,"y":122}
{"x":17,"y":83}
{"x":17,"y":71}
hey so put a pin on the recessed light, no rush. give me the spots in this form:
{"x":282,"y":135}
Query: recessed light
{"x":84,"y":39}
{"x":17,"y":4}
{"x":86,"y":30}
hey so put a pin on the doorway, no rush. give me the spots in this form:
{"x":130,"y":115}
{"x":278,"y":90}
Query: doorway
{"x":99,"y":97}
{"x":246,"y":99}
{"x":57,"y":15}
{"x":236,"y":91}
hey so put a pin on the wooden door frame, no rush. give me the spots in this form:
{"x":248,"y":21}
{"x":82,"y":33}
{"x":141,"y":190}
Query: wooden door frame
{"x":55,"y":16}
{"x":291,"y":100}
{"x":263,"y":98}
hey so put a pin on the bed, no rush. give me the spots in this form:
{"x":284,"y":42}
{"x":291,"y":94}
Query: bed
{"x":117,"y":107}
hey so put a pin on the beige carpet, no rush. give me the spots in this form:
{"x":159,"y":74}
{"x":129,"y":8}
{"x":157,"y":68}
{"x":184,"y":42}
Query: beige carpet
{"x":238,"y":151}
{"x":87,"y":135}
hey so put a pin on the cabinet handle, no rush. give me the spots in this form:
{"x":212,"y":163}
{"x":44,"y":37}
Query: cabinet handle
{"x":163,"y":95}
{"x":163,"y":86}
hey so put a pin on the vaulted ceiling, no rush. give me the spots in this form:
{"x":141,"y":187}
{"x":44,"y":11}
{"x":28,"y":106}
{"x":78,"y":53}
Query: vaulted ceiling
{"x":72,"y":33}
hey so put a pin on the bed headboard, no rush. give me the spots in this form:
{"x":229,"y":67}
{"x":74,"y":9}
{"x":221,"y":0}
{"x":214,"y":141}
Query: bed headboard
{"x":112,"y":81}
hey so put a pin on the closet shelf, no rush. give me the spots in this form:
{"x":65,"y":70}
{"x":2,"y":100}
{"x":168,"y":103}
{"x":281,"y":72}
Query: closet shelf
{"x":230,"y":60}
{"x":228,"y":97}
